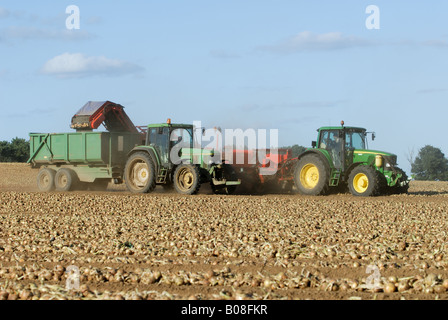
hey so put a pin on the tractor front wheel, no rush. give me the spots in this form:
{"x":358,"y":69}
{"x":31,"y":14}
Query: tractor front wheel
{"x":364,"y":181}
{"x":187,"y":179}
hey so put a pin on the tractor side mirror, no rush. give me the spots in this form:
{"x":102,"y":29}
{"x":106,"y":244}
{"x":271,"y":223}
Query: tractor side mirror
{"x":314,"y":144}
{"x":373,"y":136}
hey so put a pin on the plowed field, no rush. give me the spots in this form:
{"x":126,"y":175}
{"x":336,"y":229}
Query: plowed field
{"x":167,"y":246}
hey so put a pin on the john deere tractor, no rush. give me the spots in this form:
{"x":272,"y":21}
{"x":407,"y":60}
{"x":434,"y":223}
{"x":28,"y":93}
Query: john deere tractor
{"x":170,"y":159}
{"x":340,"y":158}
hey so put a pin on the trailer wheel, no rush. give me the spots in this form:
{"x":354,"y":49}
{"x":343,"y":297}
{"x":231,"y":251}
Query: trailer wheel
{"x":139,"y":173}
{"x":45,"y":180}
{"x":311,"y":176}
{"x":365,"y":181}
{"x":187,"y":179}
{"x":64,"y":180}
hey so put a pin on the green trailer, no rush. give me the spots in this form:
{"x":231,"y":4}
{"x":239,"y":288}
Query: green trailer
{"x":78,"y":160}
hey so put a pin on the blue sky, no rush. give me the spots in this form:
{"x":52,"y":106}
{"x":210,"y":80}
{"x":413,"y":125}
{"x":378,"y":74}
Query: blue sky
{"x":287,"y":65}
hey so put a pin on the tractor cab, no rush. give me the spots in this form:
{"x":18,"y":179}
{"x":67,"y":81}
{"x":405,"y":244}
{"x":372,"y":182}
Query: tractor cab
{"x":173,"y":157}
{"x":167,"y":136}
{"x":340,"y":144}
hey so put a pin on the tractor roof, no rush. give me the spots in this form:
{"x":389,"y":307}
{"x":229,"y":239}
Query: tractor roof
{"x":339,"y":128}
{"x":172,"y":125}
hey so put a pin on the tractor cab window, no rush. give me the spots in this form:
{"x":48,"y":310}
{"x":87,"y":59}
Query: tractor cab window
{"x":355,"y":140}
{"x":330,"y":139}
{"x":158,"y":137}
{"x":181,"y":135}
{"x":332,"y":142}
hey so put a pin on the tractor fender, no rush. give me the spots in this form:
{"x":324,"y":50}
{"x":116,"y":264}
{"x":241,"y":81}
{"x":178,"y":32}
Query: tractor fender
{"x":287,"y":168}
{"x":351,"y":167}
{"x":325,"y":157}
{"x":150,"y":151}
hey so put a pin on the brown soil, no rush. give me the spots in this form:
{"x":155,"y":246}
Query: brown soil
{"x":167,"y":246}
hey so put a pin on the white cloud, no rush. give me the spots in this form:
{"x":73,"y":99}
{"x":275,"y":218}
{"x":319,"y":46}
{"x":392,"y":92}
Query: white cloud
{"x":75,"y":65}
{"x":220,"y":54}
{"x":4,"y":13}
{"x":432,"y":90}
{"x":309,"y":41}
{"x":436,"y":43}
{"x":34,"y":33}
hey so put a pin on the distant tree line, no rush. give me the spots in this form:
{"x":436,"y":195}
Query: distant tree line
{"x":430,"y":164}
{"x":296,"y":150}
{"x":18,"y":150}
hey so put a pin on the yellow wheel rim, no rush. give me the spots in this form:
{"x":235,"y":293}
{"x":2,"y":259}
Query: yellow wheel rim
{"x":360,"y":183}
{"x":309,"y":176}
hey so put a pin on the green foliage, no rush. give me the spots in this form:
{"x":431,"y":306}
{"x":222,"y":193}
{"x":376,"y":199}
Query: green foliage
{"x":18,"y":150}
{"x":430,"y":165}
{"x":296,"y":150}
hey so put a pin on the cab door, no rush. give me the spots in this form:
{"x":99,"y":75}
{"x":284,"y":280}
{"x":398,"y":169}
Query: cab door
{"x":159,"y":139}
{"x":333,"y":142}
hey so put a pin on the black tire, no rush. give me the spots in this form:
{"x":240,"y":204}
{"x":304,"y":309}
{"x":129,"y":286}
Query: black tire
{"x":45,"y":180}
{"x":64,"y":180}
{"x":365,"y":181}
{"x":227,"y":173}
{"x":312,"y":176}
{"x":140,"y":173}
{"x":187,"y":179}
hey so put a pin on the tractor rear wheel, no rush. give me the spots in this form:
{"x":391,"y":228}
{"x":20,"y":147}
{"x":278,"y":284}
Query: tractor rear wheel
{"x":45,"y":180}
{"x":65,"y":180}
{"x":139,"y":173}
{"x":312,"y":175}
{"x":187,"y":179}
{"x":365,"y":181}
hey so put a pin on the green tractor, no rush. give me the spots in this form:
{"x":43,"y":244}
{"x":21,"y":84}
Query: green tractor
{"x":340,"y":158}
{"x":169,"y":159}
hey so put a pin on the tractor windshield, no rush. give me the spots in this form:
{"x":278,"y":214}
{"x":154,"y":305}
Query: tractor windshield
{"x":355,"y":140}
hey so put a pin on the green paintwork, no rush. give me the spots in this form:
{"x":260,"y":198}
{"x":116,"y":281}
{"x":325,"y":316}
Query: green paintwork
{"x":197,"y":156}
{"x":92,"y":155}
{"x":167,"y":125}
{"x":357,"y":157}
